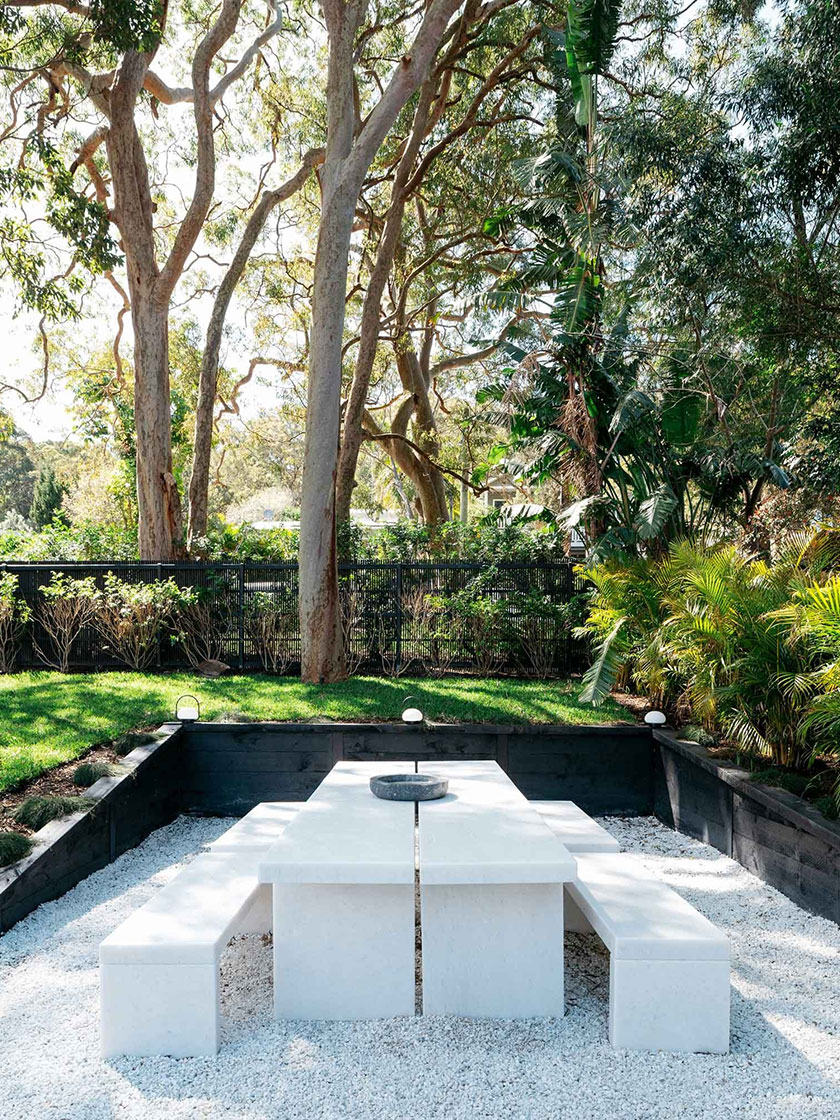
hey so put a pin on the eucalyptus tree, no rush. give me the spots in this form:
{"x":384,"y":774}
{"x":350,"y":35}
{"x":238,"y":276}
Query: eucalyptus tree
{"x":450,"y":166}
{"x":97,"y":63}
{"x":356,"y":131}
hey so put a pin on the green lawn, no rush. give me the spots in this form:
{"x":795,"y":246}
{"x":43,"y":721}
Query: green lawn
{"x":47,"y":718}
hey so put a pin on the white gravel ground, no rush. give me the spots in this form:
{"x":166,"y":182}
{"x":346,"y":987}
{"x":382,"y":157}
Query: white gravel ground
{"x":785,"y":1059}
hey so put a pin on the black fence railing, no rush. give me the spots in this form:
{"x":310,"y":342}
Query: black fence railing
{"x":397,"y":616}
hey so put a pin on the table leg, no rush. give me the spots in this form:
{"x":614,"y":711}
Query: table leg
{"x":493,"y":951}
{"x":343,"y":952}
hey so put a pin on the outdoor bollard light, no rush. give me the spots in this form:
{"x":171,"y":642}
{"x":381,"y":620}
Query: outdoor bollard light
{"x":411,"y":715}
{"x":655,"y":719}
{"x":185,"y":712}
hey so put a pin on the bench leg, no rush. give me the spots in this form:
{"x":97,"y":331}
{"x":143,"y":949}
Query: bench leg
{"x":151,"y":1009}
{"x":343,"y":952}
{"x":493,"y":951}
{"x":575,"y":919}
{"x":257,"y":918}
{"x":670,"y":1005}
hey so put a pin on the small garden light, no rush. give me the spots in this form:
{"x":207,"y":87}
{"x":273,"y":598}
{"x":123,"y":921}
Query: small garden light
{"x":655,"y":719}
{"x":411,"y":715}
{"x":186,"y":712}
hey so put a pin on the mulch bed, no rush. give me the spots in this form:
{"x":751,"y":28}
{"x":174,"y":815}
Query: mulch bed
{"x":51,"y":783}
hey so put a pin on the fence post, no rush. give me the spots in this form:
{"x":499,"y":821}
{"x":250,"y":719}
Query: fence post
{"x":242,"y":615}
{"x":398,"y":650}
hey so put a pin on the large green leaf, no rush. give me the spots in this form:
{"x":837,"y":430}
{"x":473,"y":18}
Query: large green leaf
{"x":601,"y":675}
{"x":654,"y":512}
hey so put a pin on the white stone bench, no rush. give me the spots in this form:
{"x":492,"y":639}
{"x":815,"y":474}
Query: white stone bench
{"x":255,"y":833}
{"x":159,"y":970}
{"x":258,"y":829}
{"x":669,"y":965}
{"x":577,"y":831}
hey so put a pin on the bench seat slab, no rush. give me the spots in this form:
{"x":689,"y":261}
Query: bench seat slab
{"x":343,"y":952}
{"x":259,"y":828}
{"x":576,"y":829}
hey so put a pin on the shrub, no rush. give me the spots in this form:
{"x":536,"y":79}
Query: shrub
{"x":131,"y":617}
{"x":202,"y":619}
{"x":271,"y":625}
{"x":65,"y":608}
{"x":37,"y":811}
{"x":729,"y":642}
{"x":89,"y":772}
{"x":126,"y":743}
{"x":13,"y":846}
{"x":14,"y":614}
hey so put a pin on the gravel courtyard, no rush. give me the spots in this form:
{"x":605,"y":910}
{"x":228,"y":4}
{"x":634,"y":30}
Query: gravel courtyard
{"x":784,"y":1063}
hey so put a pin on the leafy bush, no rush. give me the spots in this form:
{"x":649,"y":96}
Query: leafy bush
{"x":132,"y":617}
{"x":66,"y":544}
{"x":66,"y":606}
{"x":13,"y":846}
{"x":89,"y":772}
{"x":37,"y":811}
{"x":729,"y":642}
{"x":271,"y":624}
{"x":202,"y":619}
{"x":14,"y":614}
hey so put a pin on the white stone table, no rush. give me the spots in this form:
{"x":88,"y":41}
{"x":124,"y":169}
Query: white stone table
{"x":342,"y":877}
{"x":491,"y":876}
{"x":491,"y":888}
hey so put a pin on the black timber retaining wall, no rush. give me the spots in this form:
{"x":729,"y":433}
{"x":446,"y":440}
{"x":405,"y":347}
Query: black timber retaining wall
{"x":229,"y":768}
{"x":226,"y":769}
{"x":126,"y":809}
{"x":777,"y":836}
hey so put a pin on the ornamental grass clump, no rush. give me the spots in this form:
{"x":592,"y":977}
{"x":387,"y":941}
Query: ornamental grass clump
{"x":13,"y":846}
{"x":37,"y":811}
{"x":89,"y":772}
{"x":126,"y":743}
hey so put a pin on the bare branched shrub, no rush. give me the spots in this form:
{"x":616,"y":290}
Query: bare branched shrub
{"x":271,"y":624}
{"x":538,"y":639}
{"x":204,"y":618}
{"x":65,"y":608}
{"x":352,"y":627}
{"x":14,"y":614}
{"x":132,"y":617}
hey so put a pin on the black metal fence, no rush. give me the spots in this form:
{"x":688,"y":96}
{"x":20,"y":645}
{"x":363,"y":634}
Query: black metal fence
{"x":397,"y":616}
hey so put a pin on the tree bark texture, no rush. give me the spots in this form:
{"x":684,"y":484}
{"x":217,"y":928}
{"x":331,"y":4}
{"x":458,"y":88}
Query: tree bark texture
{"x":348,"y":157}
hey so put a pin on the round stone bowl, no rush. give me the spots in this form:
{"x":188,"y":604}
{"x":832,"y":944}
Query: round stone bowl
{"x":408,"y":787}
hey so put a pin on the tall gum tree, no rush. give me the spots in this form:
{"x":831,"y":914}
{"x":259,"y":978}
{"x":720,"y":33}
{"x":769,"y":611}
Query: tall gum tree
{"x":152,"y":274}
{"x":444,"y":118}
{"x":351,"y":148}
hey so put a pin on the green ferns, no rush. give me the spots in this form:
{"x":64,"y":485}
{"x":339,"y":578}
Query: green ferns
{"x":728,"y":642}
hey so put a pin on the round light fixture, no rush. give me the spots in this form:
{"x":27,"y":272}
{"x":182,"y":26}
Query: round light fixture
{"x":186,"y":712}
{"x":411,"y":715}
{"x":655,"y":719}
